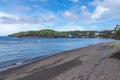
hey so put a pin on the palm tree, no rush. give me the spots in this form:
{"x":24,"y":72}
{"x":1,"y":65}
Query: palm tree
{"x":117,"y":31}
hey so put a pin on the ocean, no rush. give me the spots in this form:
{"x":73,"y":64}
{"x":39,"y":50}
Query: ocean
{"x":16,"y":51}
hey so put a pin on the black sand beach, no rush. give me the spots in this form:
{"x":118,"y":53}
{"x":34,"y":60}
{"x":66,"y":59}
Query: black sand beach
{"x":96,"y":62}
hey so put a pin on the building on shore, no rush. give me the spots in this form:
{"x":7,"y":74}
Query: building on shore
{"x":70,"y":36}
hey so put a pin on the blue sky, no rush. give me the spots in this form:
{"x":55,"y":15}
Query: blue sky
{"x":60,"y":15}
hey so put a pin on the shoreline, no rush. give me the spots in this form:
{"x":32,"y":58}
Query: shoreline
{"x":15,"y":65}
{"x":28,"y":62}
{"x":21,"y":63}
{"x":59,"y":63}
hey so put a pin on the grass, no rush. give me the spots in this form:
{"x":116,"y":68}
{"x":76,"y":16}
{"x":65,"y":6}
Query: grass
{"x":115,"y":45}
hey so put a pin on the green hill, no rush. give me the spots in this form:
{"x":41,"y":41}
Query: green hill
{"x":40,"y":33}
{"x":47,"y":33}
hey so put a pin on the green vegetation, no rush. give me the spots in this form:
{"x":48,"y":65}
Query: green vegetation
{"x":115,"y":45}
{"x":47,"y":33}
{"x":40,"y":33}
{"x":117,"y":36}
{"x":107,"y":34}
{"x":81,"y":33}
{"x":117,"y":31}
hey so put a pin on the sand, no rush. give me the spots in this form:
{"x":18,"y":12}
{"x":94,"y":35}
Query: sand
{"x":96,"y":62}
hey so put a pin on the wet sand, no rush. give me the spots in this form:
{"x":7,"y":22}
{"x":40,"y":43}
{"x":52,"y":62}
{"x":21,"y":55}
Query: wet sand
{"x":96,"y":62}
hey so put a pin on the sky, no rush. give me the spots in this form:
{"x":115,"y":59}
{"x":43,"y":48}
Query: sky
{"x":59,"y":15}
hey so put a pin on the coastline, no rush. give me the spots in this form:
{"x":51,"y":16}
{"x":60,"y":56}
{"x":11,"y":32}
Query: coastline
{"x":21,"y":63}
{"x":62,"y":64}
{"x":14,"y":66}
{"x":13,"y":62}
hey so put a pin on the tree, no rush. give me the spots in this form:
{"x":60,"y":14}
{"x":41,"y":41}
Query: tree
{"x":117,"y":31}
{"x":117,"y":34}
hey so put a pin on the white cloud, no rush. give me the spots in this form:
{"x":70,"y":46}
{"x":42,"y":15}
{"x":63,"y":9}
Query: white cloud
{"x":95,"y":2}
{"x":41,"y":19}
{"x":47,"y":18}
{"x":18,"y":20}
{"x":84,"y":11}
{"x":106,"y":10}
{"x":6,"y":15}
{"x":72,"y":27}
{"x":6,"y":18}
{"x":75,"y":1}
{"x":83,"y":8}
{"x":99,"y":12}
{"x":12,"y":23}
{"x":69,"y":15}
{"x":6,"y":29}
{"x":22,"y":8}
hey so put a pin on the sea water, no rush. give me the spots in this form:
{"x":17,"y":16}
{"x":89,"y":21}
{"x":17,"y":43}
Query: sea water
{"x":15,"y":51}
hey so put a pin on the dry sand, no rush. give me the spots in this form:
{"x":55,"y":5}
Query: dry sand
{"x":96,"y":62}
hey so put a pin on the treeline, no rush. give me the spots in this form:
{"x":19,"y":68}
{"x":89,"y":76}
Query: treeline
{"x":117,"y":32}
{"x":40,"y":33}
{"x":47,"y":33}
{"x":50,"y":33}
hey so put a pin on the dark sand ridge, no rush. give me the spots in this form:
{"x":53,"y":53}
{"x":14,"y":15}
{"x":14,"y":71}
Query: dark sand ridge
{"x":96,"y":62}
